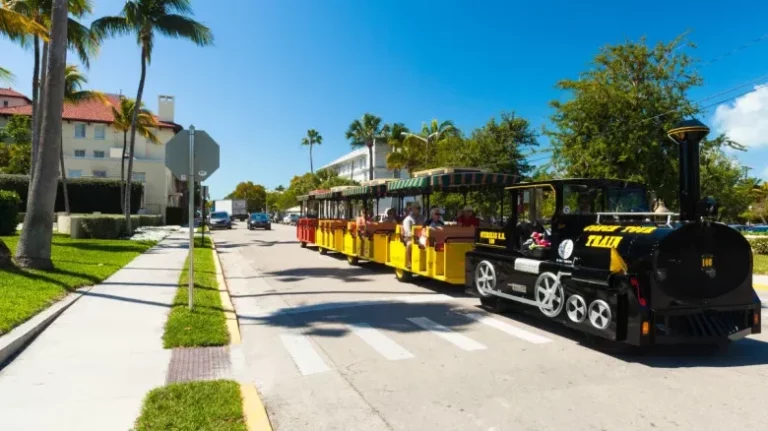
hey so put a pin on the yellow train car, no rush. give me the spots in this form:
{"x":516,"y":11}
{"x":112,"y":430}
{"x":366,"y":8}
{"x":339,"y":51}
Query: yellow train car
{"x":370,"y":241}
{"x":438,"y":253}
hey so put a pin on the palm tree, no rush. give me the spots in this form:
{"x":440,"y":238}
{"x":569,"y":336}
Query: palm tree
{"x":401,"y":156}
{"x":74,"y":94}
{"x":364,"y":133}
{"x":431,"y":133}
{"x":313,"y":138}
{"x":34,"y":248}
{"x":144,"y":19}
{"x":17,"y":26}
{"x":79,"y":39}
{"x":146,"y":122}
{"x":6,"y":75}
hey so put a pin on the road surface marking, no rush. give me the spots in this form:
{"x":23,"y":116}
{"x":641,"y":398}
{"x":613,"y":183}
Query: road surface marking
{"x":380,"y":342}
{"x":508,"y":329}
{"x":441,"y":331}
{"x":418,"y":298}
{"x":303,"y":354}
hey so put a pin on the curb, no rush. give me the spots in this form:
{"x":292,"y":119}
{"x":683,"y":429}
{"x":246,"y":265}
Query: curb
{"x":226,"y":302}
{"x":256,"y":418}
{"x":21,"y":336}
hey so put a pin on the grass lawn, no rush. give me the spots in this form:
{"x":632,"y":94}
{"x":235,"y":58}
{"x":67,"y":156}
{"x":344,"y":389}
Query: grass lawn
{"x":760,"y":265}
{"x":79,"y":262}
{"x":193,"y":406}
{"x":206,"y":324}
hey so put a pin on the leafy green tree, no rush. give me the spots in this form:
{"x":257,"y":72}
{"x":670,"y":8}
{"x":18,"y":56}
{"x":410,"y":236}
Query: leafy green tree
{"x":145,"y":19}
{"x":254,"y":195}
{"x":313,"y":138}
{"x":614,"y":125}
{"x":429,"y":139}
{"x":365,"y":132}
{"x":15,"y":155}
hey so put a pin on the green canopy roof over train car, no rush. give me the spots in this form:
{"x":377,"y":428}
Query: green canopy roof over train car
{"x":372,"y":188}
{"x":450,"y":179}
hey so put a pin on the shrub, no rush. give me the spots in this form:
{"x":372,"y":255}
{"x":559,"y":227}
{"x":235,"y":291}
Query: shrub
{"x":9,"y":212}
{"x":103,"y":227}
{"x":86,"y":195}
{"x":174,"y":216}
{"x":759,"y":245}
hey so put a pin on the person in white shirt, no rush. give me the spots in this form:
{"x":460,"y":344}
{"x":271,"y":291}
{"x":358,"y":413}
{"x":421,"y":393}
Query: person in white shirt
{"x":413,"y":219}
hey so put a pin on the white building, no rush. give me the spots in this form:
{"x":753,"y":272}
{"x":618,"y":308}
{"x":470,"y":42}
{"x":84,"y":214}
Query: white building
{"x":93,"y":147}
{"x":354,"y":165}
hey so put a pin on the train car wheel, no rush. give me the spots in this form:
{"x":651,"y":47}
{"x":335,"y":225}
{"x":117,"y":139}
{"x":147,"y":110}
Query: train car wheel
{"x":485,"y":279}
{"x":352,"y":260}
{"x":303,"y":244}
{"x":402,"y":275}
{"x":323,"y":251}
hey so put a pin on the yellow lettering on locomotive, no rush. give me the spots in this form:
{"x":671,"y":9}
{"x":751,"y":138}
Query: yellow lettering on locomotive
{"x":491,"y":241}
{"x":707,"y":261}
{"x":603,"y":241}
{"x":492,"y":236}
{"x":639,"y":229}
{"x":601,"y":228}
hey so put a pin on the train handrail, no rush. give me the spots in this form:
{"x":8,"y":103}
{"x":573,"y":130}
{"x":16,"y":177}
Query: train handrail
{"x":668,"y":215}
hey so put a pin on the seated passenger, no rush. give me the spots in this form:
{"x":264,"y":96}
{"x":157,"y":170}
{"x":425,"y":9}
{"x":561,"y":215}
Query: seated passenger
{"x":467,"y":218}
{"x":414,"y":218}
{"x":362,"y":219}
{"x":435,"y":220}
{"x":389,"y":216}
{"x":585,"y":206}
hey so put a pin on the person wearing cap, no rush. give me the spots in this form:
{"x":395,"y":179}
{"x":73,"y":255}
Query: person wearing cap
{"x":435,"y":219}
{"x":467,"y":218}
{"x":414,"y":218}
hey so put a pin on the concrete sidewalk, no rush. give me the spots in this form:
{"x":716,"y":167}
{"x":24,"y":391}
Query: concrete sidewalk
{"x":91,"y":369}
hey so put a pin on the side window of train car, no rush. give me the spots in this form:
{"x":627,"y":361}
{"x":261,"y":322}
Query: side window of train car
{"x":582,"y":199}
{"x":537,"y":206}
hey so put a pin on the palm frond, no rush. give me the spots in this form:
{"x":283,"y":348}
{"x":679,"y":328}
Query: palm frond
{"x":6,"y":76}
{"x":111,"y":26}
{"x":82,"y":41}
{"x":182,"y":7}
{"x":181,"y":27}
{"x":18,"y":27}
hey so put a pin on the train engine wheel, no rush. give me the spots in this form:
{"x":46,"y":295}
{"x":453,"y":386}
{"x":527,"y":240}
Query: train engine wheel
{"x":549,"y":294}
{"x":485,"y":279}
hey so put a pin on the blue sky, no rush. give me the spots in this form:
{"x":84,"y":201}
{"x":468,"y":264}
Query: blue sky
{"x":279,"y":68}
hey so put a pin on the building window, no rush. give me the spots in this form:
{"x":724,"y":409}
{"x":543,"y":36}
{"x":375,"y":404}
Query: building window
{"x":100,"y":174}
{"x":396,"y":173}
{"x":100,"y":132}
{"x":74,"y":173}
{"x":98,"y":154}
{"x":5,"y":103}
{"x":140,"y":177}
{"x":79,"y":153}
{"x":80,"y":131}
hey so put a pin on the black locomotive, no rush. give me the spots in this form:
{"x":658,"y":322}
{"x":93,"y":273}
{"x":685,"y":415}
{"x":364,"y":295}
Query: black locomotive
{"x":591,"y":254}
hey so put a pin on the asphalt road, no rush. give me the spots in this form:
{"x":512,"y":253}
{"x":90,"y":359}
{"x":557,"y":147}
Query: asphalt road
{"x":336,"y":347}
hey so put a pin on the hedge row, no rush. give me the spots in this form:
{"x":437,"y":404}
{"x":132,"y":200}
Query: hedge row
{"x":86,"y":195}
{"x":759,"y":245}
{"x":109,"y":226}
{"x":9,"y":209}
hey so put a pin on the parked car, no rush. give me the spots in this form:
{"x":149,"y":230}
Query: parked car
{"x":291,"y":219}
{"x":259,"y":220}
{"x":220,"y":220}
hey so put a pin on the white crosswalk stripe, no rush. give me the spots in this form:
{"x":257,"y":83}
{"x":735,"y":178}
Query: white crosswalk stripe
{"x":380,"y":342}
{"x":307,"y":360}
{"x":441,"y":331}
{"x":508,"y":329}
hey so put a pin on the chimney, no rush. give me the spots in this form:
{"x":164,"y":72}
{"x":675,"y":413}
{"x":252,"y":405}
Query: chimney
{"x":688,"y":134}
{"x":165,"y":107}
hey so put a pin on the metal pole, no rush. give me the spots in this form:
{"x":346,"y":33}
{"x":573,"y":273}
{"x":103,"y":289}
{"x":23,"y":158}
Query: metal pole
{"x":191,"y":194}
{"x":202,"y":215}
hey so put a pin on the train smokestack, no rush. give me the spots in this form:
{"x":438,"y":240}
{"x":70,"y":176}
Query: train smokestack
{"x":688,"y":135}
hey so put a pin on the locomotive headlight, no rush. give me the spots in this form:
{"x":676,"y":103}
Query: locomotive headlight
{"x":756,"y":318}
{"x":645,"y":328}
{"x":661,"y":274}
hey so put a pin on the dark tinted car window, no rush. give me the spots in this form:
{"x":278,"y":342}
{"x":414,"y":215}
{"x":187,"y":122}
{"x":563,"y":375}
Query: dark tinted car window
{"x":219,"y":215}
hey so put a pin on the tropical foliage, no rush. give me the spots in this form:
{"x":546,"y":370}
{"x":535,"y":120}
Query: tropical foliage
{"x":313,"y":138}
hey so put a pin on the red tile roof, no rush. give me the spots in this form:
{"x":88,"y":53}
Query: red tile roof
{"x":92,"y":110}
{"x":8,"y":92}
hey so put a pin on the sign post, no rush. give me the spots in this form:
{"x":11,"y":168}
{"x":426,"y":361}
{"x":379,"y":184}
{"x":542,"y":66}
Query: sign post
{"x":189,"y":154}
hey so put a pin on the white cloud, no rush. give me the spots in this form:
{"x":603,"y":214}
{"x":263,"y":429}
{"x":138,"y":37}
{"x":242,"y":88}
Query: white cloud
{"x":745,"y":120}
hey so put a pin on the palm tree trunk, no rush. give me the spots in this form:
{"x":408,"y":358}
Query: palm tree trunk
{"x":311,"y":168}
{"x":34,"y":249}
{"x":35,"y":92}
{"x":370,"y":159}
{"x":41,"y":98}
{"x":123,"y":186}
{"x":133,"y":140}
{"x":63,"y":176}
